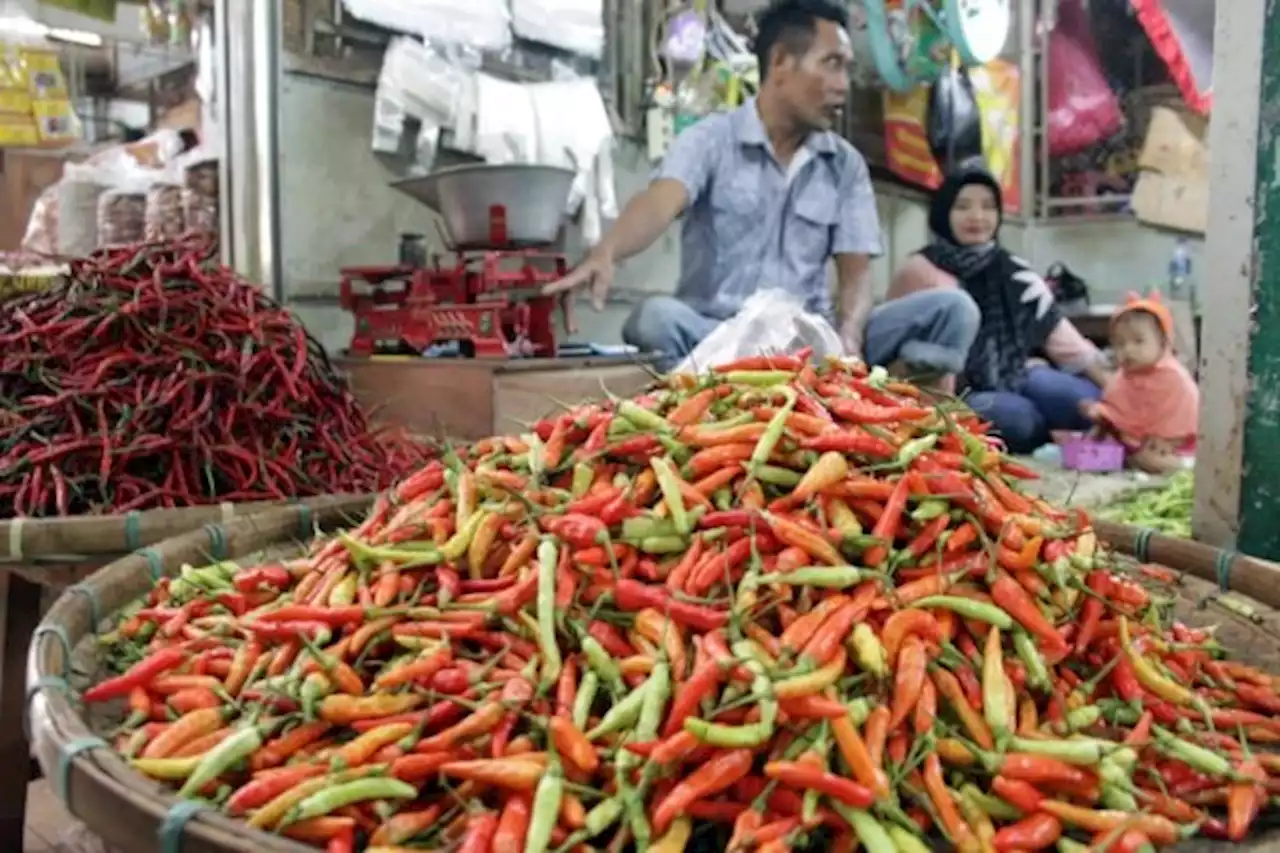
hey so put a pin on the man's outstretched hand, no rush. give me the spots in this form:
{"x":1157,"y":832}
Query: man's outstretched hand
{"x":594,"y":274}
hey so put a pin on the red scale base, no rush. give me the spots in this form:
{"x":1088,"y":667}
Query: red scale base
{"x":486,"y":301}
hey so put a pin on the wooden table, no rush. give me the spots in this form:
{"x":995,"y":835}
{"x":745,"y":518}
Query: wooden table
{"x":469,"y":399}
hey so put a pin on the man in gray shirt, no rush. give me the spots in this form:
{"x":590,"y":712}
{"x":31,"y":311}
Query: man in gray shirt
{"x":768,"y":195}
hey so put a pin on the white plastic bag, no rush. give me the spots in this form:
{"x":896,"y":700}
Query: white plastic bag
{"x":770,"y":321}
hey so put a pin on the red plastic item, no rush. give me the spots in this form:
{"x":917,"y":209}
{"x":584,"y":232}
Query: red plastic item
{"x":1083,"y":110}
{"x":480,"y":300}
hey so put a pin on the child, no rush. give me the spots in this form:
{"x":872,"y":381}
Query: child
{"x":1151,"y":404}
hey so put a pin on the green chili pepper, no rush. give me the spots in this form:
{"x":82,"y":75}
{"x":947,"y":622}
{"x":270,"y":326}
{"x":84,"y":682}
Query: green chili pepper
{"x":657,"y":689}
{"x":913,"y":448}
{"x":622,"y":715}
{"x":546,"y":808}
{"x":355,"y":791}
{"x":1083,"y":752}
{"x":221,"y":758}
{"x":758,"y":378}
{"x":992,"y":806}
{"x":405,"y":558}
{"x":873,"y":836}
{"x":585,"y":698}
{"x":642,"y":418}
{"x":859,"y":710}
{"x":969,"y":609}
{"x":1070,"y":845}
{"x":548,"y":557}
{"x":1118,"y":712}
{"x":673,"y":544}
{"x":750,"y":735}
{"x":772,"y":434}
{"x":1194,"y":756}
{"x":583,"y":476}
{"x":602,"y":816}
{"x":644,"y":526}
{"x":826,"y":577}
{"x":1037,"y":670}
{"x":669,"y":485}
{"x":1078,"y":719}
{"x":930,"y":508}
{"x":906,"y":841}
{"x":777,"y":476}
{"x":600,"y":661}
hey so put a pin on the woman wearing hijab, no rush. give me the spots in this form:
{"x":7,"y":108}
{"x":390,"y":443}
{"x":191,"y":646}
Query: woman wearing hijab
{"x":1006,"y":377}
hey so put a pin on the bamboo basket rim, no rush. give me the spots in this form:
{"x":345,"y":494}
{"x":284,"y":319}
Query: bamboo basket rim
{"x":97,"y":786}
{"x":95,"y":537}
{"x":83,"y":768}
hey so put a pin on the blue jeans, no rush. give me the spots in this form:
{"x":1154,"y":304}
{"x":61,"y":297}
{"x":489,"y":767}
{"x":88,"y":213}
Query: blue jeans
{"x":1048,"y":400}
{"x":930,"y":331}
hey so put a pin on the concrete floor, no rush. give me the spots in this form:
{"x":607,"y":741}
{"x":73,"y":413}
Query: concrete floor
{"x":1072,"y":488}
{"x":50,"y":828}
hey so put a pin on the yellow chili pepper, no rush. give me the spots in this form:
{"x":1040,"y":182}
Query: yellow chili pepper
{"x":482,"y":541}
{"x":168,"y":769}
{"x":997,"y":696}
{"x":345,"y":591}
{"x":869,"y":651}
{"x":1150,"y":677}
{"x":842,"y":518}
{"x":461,"y":540}
{"x":675,"y":838}
{"x":811,"y":682}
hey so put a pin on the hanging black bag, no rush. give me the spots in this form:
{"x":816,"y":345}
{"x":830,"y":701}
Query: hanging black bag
{"x":954,"y":123}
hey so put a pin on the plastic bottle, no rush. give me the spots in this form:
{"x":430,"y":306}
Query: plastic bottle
{"x":1180,"y":269}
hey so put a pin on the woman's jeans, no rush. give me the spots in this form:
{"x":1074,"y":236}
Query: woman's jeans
{"x":1048,"y":399}
{"x":930,"y":331}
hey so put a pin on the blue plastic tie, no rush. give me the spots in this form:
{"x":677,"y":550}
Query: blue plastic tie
{"x":217,"y":541}
{"x":90,"y":595}
{"x":60,"y":633}
{"x":67,"y":754}
{"x":171,"y":829}
{"x":154,"y":562}
{"x":1142,"y":544}
{"x":1222,"y":564}
{"x":132,"y":530}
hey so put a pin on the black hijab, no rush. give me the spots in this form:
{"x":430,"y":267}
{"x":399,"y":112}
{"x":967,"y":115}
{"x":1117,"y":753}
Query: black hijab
{"x":1017,"y":307}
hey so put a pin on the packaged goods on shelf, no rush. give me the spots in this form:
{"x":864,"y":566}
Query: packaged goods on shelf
{"x":122,"y":215}
{"x":164,"y":215}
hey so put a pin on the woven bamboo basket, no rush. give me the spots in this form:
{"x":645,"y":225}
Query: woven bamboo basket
{"x":57,"y":552}
{"x":134,"y":814}
{"x":125,"y":810}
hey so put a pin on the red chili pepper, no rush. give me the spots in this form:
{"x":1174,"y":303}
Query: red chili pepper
{"x":799,"y":775}
{"x":1035,"y":832}
{"x":140,"y":674}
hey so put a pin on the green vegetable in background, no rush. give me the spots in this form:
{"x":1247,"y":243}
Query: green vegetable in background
{"x":1166,"y":509}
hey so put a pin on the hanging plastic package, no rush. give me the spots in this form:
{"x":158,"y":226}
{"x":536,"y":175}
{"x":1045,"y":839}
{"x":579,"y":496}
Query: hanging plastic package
{"x":1182,"y":33}
{"x":954,"y":123}
{"x":996,"y":88}
{"x":1083,"y":110}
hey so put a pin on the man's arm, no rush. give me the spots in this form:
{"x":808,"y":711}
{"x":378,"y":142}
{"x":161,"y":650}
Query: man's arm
{"x":680,"y":179}
{"x":853,"y":290}
{"x":856,"y":241}
{"x":644,"y":218}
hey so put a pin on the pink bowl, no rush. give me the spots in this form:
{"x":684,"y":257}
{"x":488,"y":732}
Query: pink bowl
{"x":1087,"y":454}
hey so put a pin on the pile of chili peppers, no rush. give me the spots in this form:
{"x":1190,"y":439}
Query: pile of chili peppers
{"x":156,"y":378}
{"x":777,"y":607}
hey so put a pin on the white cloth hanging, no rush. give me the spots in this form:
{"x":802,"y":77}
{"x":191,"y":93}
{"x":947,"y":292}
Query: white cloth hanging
{"x":583,"y":143}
